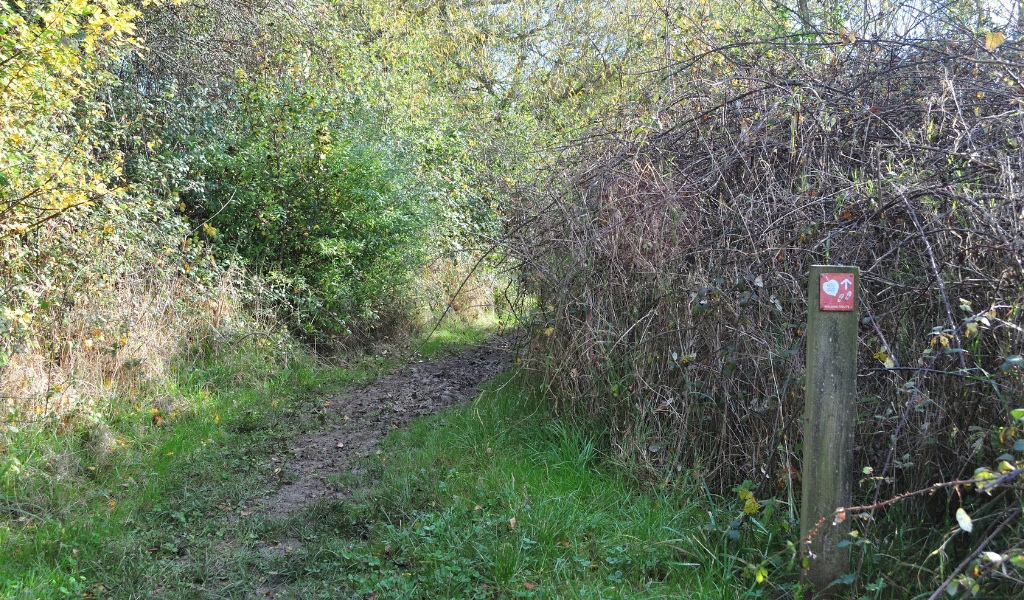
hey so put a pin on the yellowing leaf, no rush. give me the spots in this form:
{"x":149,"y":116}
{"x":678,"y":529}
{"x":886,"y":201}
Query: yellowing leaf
{"x":964,"y":520}
{"x":549,"y":331}
{"x":994,"y":40}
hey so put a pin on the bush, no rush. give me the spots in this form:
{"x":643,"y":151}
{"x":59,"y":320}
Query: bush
{"x":671,"y":274}
{"x":309,"y":193}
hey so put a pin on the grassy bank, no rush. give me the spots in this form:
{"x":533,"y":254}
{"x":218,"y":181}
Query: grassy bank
{"x":118,"y":503}
{"x":489,"y":499}
{"x":100,"y":508}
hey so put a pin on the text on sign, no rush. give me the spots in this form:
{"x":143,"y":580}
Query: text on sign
{"x":836,"y":291}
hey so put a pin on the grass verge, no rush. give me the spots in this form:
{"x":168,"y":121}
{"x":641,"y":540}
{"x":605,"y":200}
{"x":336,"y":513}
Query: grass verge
{"x":491,"y":499}
{"x":495,"y":499}
{"x":117,"y":503}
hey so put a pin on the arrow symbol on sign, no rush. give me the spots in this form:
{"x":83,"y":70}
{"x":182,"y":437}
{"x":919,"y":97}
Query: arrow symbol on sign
{"x":846,"y":284}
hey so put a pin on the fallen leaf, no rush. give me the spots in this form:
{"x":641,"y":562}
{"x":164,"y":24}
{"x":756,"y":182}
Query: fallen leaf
{"x":340,"y":445}
{"x":512,"y":523}
{"x":527,"y":586}
{"x":378,"y":453}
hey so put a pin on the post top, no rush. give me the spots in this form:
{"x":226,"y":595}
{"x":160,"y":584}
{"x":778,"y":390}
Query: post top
{"x":839,"y":268}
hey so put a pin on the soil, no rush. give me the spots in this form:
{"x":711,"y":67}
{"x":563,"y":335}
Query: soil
{"x":355,"y":421}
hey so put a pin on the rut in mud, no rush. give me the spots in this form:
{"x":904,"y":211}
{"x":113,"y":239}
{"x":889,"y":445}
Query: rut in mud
{"x":356,"y":420}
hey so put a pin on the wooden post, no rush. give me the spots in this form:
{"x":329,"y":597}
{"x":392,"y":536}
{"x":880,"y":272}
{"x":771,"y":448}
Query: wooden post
{"x":829,"y":416}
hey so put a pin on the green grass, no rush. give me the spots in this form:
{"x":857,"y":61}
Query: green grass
{"x":455,"y":333}
{"x":167,"y":511}
{"x":115,"y":507}
{"x":437,"y":522}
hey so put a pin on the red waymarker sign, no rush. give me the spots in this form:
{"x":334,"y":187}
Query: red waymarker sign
{"x":836,"y":291}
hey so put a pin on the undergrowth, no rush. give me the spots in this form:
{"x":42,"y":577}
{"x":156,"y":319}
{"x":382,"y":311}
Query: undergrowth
{"x":495,"y":498}
{"x":119,"y":509}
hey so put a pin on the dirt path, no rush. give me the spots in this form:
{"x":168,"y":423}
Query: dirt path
{"x":355,"y":421}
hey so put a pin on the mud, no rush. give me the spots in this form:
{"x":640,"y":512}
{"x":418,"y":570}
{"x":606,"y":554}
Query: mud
{"x":355,"y":421}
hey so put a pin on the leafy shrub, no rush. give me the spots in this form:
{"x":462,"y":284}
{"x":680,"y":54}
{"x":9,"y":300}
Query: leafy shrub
{"x":313,"y":196}
{"x":52,"y":159}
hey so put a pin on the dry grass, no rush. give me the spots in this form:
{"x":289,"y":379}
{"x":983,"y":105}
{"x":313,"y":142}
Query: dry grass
{"x":114,"y":339}
{"x":102,"y":320}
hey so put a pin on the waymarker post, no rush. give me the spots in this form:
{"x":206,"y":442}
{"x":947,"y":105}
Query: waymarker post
{"x":829,"y":413}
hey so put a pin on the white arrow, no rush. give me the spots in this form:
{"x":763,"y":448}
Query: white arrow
{"x":846,"y":284}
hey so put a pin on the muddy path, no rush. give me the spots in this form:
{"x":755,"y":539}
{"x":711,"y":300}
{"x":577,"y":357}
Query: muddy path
{"x":352,"y":423}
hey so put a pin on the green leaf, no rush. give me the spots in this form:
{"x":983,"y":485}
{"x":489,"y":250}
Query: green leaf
{"x":964,"y":520}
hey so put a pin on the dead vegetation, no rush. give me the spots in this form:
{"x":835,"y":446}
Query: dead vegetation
{"x":101,"y":320}
{"x":670,"y":264}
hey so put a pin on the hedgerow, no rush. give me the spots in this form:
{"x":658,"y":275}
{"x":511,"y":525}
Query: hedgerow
{"x":669,"y":262}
